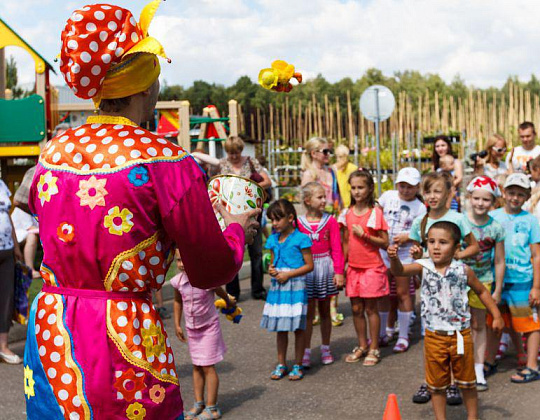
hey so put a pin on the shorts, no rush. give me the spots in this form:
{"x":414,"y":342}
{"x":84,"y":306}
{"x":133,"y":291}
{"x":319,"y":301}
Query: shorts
{"x":441,"y":360}
{"x":474,"y":300}
{"x":515,"y":309}
{"x":367,"y":282}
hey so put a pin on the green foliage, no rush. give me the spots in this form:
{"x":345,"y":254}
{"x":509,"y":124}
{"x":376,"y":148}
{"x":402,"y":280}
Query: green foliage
{"x":12,"y":78}
{"x":252,"y":96}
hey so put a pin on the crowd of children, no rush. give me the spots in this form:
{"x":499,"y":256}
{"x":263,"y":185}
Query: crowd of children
{"x":477,"y":272}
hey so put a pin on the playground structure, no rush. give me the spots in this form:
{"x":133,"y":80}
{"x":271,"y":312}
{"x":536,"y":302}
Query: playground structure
{"x":25,"y":124}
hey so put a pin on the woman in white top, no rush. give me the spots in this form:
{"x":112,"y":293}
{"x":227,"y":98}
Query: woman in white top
{"x":493,"y":165}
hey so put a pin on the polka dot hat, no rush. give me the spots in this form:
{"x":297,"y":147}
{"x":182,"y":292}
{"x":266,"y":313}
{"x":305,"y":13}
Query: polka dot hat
{"x":95,"y":38}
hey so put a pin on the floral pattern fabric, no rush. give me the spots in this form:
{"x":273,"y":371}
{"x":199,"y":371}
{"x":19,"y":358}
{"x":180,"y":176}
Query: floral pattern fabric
{"x":6,"y":237}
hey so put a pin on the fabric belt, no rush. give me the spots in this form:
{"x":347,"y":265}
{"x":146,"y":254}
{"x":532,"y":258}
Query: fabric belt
{"x":460,"y":343}
{"x":94,"y":294}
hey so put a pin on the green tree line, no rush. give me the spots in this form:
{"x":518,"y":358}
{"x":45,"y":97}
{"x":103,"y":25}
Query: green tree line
{"x":251,"y":96}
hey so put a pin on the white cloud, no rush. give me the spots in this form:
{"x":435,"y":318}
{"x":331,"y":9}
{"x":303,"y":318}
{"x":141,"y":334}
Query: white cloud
{"x":484,"y":41}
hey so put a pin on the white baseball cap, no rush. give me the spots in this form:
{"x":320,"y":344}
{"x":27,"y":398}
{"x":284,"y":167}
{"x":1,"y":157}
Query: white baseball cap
{"x":518,"y":179}
{"x":409,"y":175}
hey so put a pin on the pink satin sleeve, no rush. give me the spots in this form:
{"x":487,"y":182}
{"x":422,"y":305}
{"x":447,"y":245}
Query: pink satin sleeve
{"x":211,"y":258}
{"x":335,"y":247}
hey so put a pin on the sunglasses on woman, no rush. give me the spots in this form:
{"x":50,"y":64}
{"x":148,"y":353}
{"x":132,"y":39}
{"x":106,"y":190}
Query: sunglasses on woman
{"x":325,"y":152}
{"x":499,"y":149}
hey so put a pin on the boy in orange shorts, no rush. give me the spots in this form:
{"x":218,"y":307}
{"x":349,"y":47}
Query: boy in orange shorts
{"x":448,"y":347}
{"x":521,"y":289}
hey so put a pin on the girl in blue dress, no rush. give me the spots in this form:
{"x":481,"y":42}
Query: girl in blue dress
{"x":285,"y":309}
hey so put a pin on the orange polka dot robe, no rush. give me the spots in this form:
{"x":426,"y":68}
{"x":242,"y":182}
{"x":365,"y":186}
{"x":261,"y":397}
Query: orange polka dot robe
{"x":112,"y":200}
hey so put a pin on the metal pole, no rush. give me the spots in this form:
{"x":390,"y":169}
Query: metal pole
{"x":378,"y":143}
{"x":394,"y":157}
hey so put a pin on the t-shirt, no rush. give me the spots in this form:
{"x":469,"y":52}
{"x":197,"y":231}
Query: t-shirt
{"x":343,"y":183}
{"x":362,"y":253}
{"x":288,"y":254}
{"x":521,"y":230}
{"x":6,"y":238}
{"x":492,"y":172}
{"x":400,"y":215}
{"x":445,"y":305}
{"x":521,"y":156}
{"x":487,"y":235}
{"x":450,"y":216}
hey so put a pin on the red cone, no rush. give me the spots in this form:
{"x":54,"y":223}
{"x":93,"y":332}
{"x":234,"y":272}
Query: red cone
{"x":392,"y":410}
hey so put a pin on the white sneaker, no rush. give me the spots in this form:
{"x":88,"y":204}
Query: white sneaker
{"x":10,"y":359}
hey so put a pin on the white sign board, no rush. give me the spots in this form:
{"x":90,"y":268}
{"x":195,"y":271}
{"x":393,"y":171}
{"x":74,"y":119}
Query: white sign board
{"x":377,"y":102}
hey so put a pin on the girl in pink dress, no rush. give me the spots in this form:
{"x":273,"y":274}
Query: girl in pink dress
{"x":366,"y":232}
{"x":323,"y":282}
{"x":203,"y":336}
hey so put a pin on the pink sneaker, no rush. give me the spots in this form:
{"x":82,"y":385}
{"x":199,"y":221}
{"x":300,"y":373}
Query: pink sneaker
{"x":327,"y":358}
{"x":306,"y":360}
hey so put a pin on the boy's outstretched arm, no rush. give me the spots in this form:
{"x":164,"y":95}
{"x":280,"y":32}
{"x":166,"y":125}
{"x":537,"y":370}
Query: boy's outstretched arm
{"x":486,"y":299}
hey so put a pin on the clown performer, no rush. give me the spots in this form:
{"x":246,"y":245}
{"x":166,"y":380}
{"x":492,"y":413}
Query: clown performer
{"x":113,"y":200}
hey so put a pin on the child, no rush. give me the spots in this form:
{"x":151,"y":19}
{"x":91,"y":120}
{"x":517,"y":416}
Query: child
{"x":448,"y":346}
{"x":437,"y":188}
{"x":204,"y":338}
{"x":323,"y":282}
{"x":401,"y":207}
{"x":521,"y":289}
{"x":286,"y":304}
{"x":490,"y":236}
{"x":365,"y":234}
{"x":446,"y":163}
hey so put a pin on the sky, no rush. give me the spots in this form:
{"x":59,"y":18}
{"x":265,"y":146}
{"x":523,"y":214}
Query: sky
{"x":484,"y":41}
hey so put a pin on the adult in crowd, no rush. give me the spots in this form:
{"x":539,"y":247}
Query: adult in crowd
{"x":113,"y":201}
{"x":442,"y":151}
{"x":517,"y":159}
{"x":26,"y":227}
{"x":343,"y":170}
{"x":237,"y":164}
{"x":9,"y":252}
{"x":315,"y":168}
{"x":493,"y":165}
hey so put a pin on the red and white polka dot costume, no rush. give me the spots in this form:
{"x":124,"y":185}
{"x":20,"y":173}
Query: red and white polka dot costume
{"x":113,"y":200}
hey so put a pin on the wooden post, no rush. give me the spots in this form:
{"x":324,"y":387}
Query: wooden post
{"x":350,"y":121}
{"x":233,"y":117}
{"x":259,"y":125}
{"x":338,"y":120}
{"x":327,"y":132}
{"x":184,"y":140}
{"x":2,"y":73}
{"x":271,"y":109}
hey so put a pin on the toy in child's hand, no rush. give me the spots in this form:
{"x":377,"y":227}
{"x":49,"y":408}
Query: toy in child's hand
{"x":278,"y":77}
{"x":233,"y":314}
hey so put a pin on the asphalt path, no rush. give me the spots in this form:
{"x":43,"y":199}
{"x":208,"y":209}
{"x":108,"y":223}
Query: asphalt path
{"x":337,"y":391}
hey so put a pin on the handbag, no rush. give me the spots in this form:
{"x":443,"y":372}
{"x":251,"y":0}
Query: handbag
{"x":255,"y":176}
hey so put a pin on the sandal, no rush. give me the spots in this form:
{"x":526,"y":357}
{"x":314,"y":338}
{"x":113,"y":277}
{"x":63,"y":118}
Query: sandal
{"x":401,"y":346}
{"x":326,"y":357}
{"x":356,"y":355}
{"x":279,"y":372}
{"x":384,"y":341}
{"x":422,"y":396}
{"x":373,"y":357}
{"x":296,"y":373}
{"x":490,"y":369}
{"x":525,"y":376}
{"x":210,"y":413}
{"x":197,"y":409}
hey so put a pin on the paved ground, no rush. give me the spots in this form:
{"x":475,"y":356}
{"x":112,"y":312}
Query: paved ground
{"x":338,"y":391}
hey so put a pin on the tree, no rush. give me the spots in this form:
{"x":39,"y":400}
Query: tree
{"x":12,"y":78}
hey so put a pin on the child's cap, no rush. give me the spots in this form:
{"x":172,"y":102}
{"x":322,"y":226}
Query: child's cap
{"x":484,"y":183}
{"x":409,"y":175}
{"x":518,"y":179}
